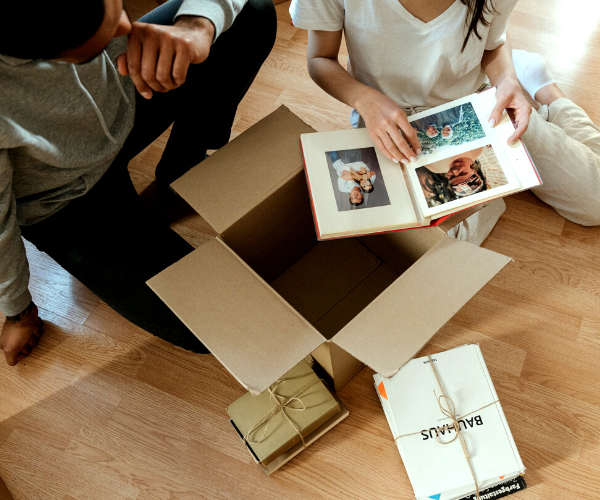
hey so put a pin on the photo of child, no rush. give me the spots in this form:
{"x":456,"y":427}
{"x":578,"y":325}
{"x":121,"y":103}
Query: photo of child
{"x":461,"y":175}
{"x":356,"y":178}
{"x":452,"y":127}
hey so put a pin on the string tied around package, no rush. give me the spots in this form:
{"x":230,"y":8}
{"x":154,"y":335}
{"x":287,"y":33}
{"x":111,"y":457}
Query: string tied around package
{"x":448,"y":408}
{"x":280,"y":404}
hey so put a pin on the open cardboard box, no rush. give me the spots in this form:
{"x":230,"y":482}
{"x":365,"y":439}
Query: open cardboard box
{"x":265,"y":293}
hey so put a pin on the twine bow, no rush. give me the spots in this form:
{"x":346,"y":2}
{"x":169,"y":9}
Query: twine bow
{"x":279,"y":405}
{"x":450,"y":411}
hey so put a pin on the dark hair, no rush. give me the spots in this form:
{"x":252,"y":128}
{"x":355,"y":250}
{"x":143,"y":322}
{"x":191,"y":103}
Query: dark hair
{"x":476,"y":166}
{"x":476,"y":10}
{"x":42,"y":29}
{"x":356,"y":204}
{"x":368,"y":190}
{"x":439,"y":187}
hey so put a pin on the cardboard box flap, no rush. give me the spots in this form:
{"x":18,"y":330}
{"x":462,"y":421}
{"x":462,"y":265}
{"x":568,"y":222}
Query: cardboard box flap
{"x":418,"y":304}
{"x":247,"y":326}
{"x":235,"y":179}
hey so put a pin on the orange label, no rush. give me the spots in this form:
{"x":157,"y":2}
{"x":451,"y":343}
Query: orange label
{"x":381,"y":389}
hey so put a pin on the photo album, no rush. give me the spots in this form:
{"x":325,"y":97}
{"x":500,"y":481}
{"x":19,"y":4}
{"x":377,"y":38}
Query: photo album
{"x":355,"y":190}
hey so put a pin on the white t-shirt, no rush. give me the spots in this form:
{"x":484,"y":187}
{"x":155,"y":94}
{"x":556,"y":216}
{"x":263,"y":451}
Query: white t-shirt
{"x":414,"y":63}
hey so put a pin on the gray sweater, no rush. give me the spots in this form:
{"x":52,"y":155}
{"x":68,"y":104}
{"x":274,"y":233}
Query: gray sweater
{"x":61,"y":127}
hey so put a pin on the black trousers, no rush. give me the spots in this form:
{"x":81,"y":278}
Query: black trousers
{"x":109,"y":239}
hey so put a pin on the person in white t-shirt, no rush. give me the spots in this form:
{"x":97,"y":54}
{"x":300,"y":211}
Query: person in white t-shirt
{"x":405,"y":56}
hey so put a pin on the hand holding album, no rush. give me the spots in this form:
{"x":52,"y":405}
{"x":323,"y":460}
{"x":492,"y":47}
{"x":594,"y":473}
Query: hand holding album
{"x":464,"y":162}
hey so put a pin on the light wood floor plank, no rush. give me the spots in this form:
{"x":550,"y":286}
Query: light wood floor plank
{"x":103,"y":410}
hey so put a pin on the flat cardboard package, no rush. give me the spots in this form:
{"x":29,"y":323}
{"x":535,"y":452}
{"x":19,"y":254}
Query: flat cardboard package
{"x":265,"y":294}
{"x":411,"y":405}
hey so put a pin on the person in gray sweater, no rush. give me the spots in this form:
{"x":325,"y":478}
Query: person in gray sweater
{"x":78,"y":100}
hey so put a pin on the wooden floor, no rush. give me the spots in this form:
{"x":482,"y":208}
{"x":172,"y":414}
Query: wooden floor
{"x":104,"y":411}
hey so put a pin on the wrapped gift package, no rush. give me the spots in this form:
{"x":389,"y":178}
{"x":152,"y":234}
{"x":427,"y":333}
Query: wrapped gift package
{"x":425,"y":402}
{"x":295,"y":410}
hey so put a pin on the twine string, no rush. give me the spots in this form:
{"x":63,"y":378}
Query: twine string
{"x":279,"y":405}
{"x":448,"y":408}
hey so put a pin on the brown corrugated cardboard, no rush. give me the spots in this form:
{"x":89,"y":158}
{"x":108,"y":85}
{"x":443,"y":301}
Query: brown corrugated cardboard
{"x":418,"y":304}
{"x":324,"y":276}
{"x":340,"y":366}
{"x":353,"y":303}
{"x":246,"y":171}
{"x":220,"y":291}
{"x":238,"y":316}
{"x":273,"y":217}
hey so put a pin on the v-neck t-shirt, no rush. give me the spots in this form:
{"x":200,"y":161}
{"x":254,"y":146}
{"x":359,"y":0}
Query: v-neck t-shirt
{"x":416,"y":64}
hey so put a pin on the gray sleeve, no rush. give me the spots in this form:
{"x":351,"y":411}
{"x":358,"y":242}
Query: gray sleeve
{"x":221,"y":13}
{"x":14,"y":269}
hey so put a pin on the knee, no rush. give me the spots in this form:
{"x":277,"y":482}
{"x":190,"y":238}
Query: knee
{"x":589,"y":217}
{"x":589,"y":221}
{"x":260,"y":18}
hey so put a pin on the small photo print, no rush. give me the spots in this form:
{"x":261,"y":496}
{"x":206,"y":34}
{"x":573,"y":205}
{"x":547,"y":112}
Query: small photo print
{"x":452,"y":127}
{"x":356,"y":179}
{"x":461,"y":175}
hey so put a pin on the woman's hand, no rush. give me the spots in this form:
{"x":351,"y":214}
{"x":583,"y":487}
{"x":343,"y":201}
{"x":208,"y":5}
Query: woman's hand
{"x":498,"y":66}
{"x":386,"y":124}
{"x":510,"y":96}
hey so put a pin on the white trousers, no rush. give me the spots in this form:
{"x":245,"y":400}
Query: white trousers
{"x":564,"y":144}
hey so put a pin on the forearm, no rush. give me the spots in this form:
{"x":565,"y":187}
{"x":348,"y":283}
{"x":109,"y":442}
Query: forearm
{"x":500,"y":69}
{"x":385,"y":121}
{"x":14,"y":269}
{"x":498,"y":64}
{"x":336,"y":81}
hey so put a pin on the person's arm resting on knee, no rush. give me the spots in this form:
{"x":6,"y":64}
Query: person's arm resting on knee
{"x":22,"y":329}
{"x":158,"y":57}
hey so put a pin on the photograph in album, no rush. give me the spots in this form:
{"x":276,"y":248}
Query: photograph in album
{"x":356,"y":190}
{"x":461,"y":175}
{"x":451,"y":127}
{"x":356,"y":179}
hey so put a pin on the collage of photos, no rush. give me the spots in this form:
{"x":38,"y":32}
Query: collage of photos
{"x":356,"y":178}
{"x":461,"y":175}
{"x":451,"y":127}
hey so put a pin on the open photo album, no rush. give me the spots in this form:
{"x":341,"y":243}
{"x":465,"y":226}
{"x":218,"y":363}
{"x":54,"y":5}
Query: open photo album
{"x":355,"y":190}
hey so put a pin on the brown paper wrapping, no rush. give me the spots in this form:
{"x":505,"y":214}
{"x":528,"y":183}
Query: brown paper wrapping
{"x":316,"y":405}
